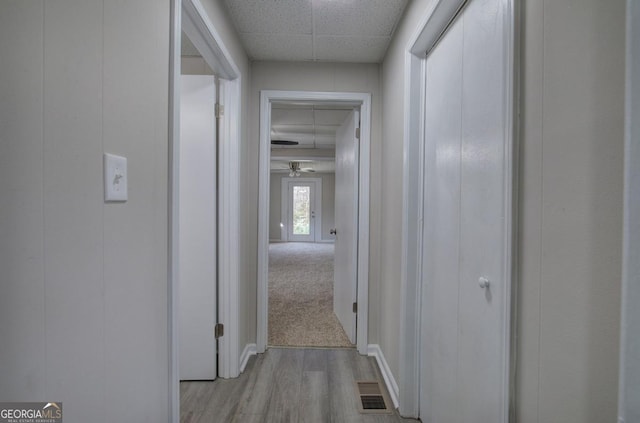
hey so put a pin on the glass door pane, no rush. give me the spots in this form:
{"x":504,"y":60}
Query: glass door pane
{"x":301,"y":210}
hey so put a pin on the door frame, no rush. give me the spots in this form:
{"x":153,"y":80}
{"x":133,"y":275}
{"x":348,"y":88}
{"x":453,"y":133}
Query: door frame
{"x":284,"y":206}
{"x":267,"y":97}
{"x":426,"y":35}
{"x":190,"y":16}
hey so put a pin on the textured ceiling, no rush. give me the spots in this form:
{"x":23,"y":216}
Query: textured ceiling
{"x":313,"y":126}
{"x":356,"y":31}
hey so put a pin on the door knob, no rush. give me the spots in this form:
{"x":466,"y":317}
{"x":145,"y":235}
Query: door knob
{"x":333,"y":231}
{"x":483,"y":282}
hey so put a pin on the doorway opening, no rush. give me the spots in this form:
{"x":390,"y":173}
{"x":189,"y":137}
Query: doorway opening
{"x":305,"y":213}
{"x":302,"y":222}
{"x":191,"y":28}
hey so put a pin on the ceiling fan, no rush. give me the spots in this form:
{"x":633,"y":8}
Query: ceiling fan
{"x":284,"y":142}
{"x":295,"y":169}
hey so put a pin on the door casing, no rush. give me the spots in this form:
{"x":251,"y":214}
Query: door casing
{"x":190,"y":16}
{"x":363,"y":100}
{"x":427,"y":33}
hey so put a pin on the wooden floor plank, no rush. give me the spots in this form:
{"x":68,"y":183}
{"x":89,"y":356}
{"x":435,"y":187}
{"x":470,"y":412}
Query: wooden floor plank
{"x":286,"y":385}
{"x":314,"y":398}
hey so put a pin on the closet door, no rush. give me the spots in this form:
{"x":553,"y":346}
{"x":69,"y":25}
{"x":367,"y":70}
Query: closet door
{"x":440,"y":288}
{"x":483,"y":326}
{"x":466,"y":295}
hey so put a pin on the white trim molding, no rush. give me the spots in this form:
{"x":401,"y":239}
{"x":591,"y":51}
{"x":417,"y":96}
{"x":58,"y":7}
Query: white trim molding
{"x":229,"y":228}
{"x":200,"y":30}
{"x":374,"y":350}
{"x":363,"y":100}
{"x":190,"y":16}
{"x":426,"y":35}
{"x":173,"y":208}
{"x":249,"y":350}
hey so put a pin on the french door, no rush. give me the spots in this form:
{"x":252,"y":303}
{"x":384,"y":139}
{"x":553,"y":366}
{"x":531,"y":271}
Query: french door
{"x":301,"y":211}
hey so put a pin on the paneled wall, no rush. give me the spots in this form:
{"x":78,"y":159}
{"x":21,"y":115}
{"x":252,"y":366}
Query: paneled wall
{"x":630,"y":364}
{"x":570,"y":210}
{"x":83,"y":309}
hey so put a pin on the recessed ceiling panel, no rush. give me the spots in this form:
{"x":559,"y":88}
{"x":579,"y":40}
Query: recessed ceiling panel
{"x":357,"y":17}
{"x":271,"y":16}
{"x":351,"y":49}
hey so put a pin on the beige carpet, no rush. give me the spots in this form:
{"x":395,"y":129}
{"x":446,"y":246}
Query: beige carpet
{"x":301,"y":296}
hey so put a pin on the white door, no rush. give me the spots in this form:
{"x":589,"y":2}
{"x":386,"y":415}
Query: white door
{"x":465,"y":336}
{"x":346,"y":224}
{"x":301,"y":205}
{"x":197,"y":244}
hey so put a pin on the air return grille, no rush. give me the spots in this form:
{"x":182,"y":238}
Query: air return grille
{"x":371,"y":398}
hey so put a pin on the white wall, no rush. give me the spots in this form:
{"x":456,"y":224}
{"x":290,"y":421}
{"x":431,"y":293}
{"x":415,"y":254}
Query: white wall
{"x":193,"y":65}
{"x":630,"y":365}
{"x":217,"y":13}
{"x":570,"y":210}
{"x":569,"y":207}
{"x":315,"y":76}
{"x":83,"y":310}
{"x":328,"y":204}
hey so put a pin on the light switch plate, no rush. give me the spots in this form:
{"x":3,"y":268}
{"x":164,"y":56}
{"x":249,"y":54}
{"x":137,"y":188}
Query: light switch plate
{"x":115,"y":178}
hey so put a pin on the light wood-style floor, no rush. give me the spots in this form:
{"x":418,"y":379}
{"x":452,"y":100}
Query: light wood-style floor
{"x":286,"y":385}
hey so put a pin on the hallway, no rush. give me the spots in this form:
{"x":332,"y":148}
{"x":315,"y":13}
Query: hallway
{"x":90,"y":306}
{"x":286,"y":385}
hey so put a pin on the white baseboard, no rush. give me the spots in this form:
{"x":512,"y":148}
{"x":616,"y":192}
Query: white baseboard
{"x":327,"y":241}
{"x":249,"y":350}
{"x":374,"y":350}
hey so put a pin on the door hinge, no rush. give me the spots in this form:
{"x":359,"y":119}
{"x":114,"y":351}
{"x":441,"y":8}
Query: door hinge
{"x":358,"y":133}
{"x":355,"y":307}
{"x":219,"y":110}
{"x":218,"y":332}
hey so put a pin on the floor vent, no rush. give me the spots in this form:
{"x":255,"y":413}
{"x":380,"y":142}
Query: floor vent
{"x":371,"y":398}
